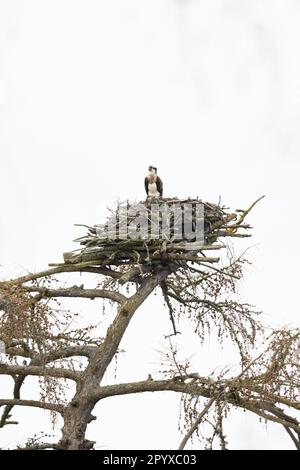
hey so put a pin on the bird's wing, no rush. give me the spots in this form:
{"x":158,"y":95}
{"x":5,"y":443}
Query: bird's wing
{"x":146,"y":185}
{"x":159,"y":185}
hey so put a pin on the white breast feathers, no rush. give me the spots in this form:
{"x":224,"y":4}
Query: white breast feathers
{"x":152,"y":190}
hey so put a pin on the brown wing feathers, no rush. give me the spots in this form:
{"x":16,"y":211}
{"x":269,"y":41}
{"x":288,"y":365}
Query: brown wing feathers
{"x":159,"y":185}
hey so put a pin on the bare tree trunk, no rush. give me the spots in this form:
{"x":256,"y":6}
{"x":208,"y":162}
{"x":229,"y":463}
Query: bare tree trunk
{"x":78,"y":413}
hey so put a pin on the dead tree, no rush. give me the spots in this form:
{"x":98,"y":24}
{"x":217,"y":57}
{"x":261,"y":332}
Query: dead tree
{"x":34,"y":328}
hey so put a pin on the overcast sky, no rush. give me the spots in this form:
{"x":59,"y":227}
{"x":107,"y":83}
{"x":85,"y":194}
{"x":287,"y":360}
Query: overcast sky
{"x":91,"y":93}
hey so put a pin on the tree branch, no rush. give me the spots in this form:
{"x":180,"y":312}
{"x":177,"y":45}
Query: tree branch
{"x":64,"y":268}
{"x":164,"y":289}
{"x":19,"y":380}
{"x":202,"y":387}
{"x":78,"y":292}
{"x":39,"y":371}
{"x":199,"y":387}
{"x":33,"y":403}
{"x":293,"y":437}
{"x":42,"y":446}
{"x":196,"y":423}
{"x":63,"y":353}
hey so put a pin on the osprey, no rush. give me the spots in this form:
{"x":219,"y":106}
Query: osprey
{"x":153,"y":183}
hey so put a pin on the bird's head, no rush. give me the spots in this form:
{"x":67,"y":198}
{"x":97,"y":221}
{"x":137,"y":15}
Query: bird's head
{"x":152,"y":170}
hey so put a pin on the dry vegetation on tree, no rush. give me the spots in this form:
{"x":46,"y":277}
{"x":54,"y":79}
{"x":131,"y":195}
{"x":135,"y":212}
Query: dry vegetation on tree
{"x":35,"y":328}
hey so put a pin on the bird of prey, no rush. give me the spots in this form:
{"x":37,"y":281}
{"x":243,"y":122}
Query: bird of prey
{"x":153,"y":183}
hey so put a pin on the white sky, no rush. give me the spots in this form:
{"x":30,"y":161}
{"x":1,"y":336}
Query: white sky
{"x":91,"y":93}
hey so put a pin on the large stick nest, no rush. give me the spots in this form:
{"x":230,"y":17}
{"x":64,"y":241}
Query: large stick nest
{"x":105,"y":244}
